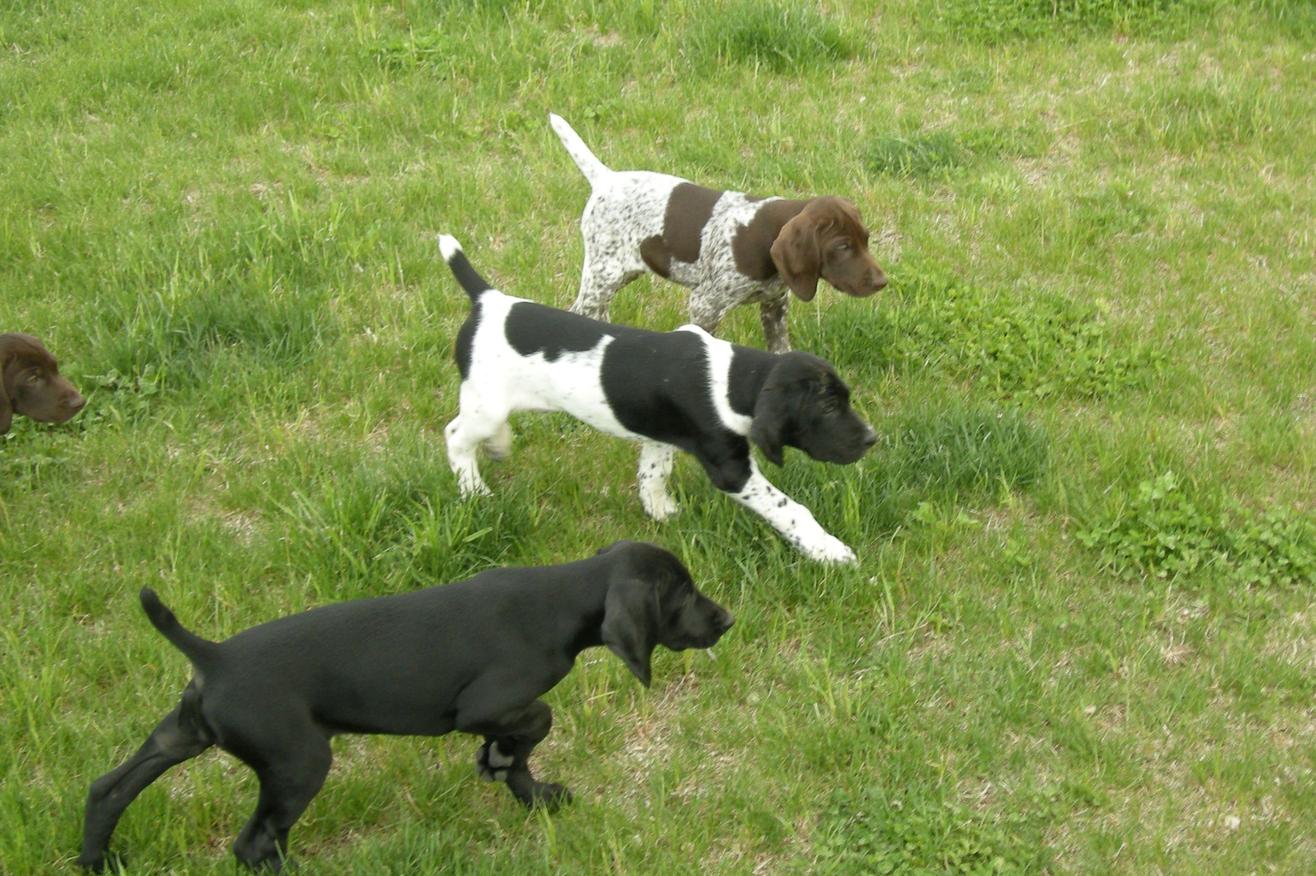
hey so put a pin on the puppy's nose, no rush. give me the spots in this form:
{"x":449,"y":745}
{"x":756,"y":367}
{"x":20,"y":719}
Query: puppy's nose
{"x":879,"y":281}
{"x":76,"y":403}
{"x":870,"y":438}
{"x":725,"y":622}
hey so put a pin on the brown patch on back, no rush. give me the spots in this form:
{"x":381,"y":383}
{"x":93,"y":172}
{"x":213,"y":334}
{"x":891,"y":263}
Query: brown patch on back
{"x":688,"y":211}
{"x":655,"y":255}
{"x":752,"y":245}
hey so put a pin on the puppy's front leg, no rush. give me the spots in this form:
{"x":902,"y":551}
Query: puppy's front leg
{"x":791,"y":519}
{"x":772,"y":313}
{"x":655,"y":468}
{"x":505,"y":754}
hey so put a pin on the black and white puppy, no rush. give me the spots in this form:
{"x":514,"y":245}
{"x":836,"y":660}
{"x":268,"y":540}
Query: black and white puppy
{"x":474,"y":656}
{"x":681,"y":390}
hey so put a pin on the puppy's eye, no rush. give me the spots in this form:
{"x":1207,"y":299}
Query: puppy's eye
{"x":34,"y":378}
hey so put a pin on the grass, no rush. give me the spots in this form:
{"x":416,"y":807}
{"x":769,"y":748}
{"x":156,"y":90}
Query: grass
{"x":1079,"y":636}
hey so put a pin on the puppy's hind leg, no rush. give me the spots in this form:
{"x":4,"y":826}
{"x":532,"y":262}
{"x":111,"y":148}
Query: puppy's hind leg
{"x":655,"y":468}
{"x":478,"y":422}
{"x":289,"y":780}
{"x":172,"y":742}
{"x":599,"y":282}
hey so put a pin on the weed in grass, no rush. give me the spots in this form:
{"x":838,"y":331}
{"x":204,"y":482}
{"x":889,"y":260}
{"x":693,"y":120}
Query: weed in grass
{"x":778,"y":36}
{"x":1166,"y":532}
{"x":876,"y":831}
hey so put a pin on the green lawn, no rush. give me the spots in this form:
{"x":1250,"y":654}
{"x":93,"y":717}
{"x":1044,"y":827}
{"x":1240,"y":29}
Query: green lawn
{"x":1080,"y":636}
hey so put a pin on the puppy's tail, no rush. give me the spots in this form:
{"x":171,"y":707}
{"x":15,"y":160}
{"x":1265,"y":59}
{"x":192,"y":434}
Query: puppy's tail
{"x":587,"y":161}
{"x":194,"y":648}
{"x":467,"y":276}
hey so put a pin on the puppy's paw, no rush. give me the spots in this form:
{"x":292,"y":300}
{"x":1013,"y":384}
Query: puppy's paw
{"x":490,"y":762}
{"x":830,"y":550}
{"x":549,"y":795}
{"x":472,"y":486}
{"x":659,"y":506}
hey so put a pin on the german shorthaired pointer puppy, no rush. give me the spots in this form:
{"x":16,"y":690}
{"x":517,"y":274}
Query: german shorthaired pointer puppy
{"x":30,"y":384}
{"x":729,"y":248}
{"x":473,"y":656}
{"x":682,"y":390}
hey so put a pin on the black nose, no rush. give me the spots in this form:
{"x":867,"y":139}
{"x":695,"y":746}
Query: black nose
{"x":870,"y":438}
{"x":725,"y":622}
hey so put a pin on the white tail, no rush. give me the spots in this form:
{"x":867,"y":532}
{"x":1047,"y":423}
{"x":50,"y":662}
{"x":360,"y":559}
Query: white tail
{"x":448,"y":246}
{"x":587,"y":161}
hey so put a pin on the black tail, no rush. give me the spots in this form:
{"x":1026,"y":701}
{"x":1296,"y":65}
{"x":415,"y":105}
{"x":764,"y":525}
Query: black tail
{"x":466,"y":275}
{"x":195,"y":648}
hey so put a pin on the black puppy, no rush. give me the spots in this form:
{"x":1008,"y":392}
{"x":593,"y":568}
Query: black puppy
{"x":472,"y":656}
{"x":682,"y":390}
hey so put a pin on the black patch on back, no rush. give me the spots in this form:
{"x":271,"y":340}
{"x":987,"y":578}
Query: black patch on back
{"x":657,"y":385}
{"x":533,"y":328}
{"x":688,"y":211}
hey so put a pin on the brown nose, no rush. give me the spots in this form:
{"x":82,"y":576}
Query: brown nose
{"x":76,"y":403}
{"x":879,"y":281}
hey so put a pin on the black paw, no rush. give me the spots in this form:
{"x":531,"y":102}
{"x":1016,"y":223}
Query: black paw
{"x":112,"y":861}
{"x":549,"y":795}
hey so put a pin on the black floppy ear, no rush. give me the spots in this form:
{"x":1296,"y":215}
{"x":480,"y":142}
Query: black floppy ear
{"x":768,"y":428}
{"x":630,"y":623}
{"x":797,"y":256}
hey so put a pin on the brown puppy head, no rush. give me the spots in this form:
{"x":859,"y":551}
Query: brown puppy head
{"x":31,"y":385}
{"x":828,"y":240}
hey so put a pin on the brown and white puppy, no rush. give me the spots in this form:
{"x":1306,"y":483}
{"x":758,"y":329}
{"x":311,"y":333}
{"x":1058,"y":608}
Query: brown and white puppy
{"x":31,"y":385}
{"x":729,"y":248}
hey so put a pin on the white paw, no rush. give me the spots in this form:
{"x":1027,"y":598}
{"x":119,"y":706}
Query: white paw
{"x":830,"y":550}
{"x":659,"y":506}
{"x":472,"y":485}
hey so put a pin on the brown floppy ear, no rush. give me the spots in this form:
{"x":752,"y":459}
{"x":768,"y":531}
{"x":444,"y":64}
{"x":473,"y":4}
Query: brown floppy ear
{"x":630,"y":623}
{"x":6,"y":406}
{"x":798,"y":257}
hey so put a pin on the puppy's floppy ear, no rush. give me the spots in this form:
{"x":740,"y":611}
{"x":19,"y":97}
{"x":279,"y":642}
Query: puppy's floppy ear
{"x":798,"y":256}
{"x":6,"y":406}
{"x":630,"y":622}
{"x":772,"y":413}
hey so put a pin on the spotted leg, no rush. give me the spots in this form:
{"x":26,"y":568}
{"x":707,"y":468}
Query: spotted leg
{"x":655,"y":467}
{"x":796,"y":524}
{"x":772,"y":313}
